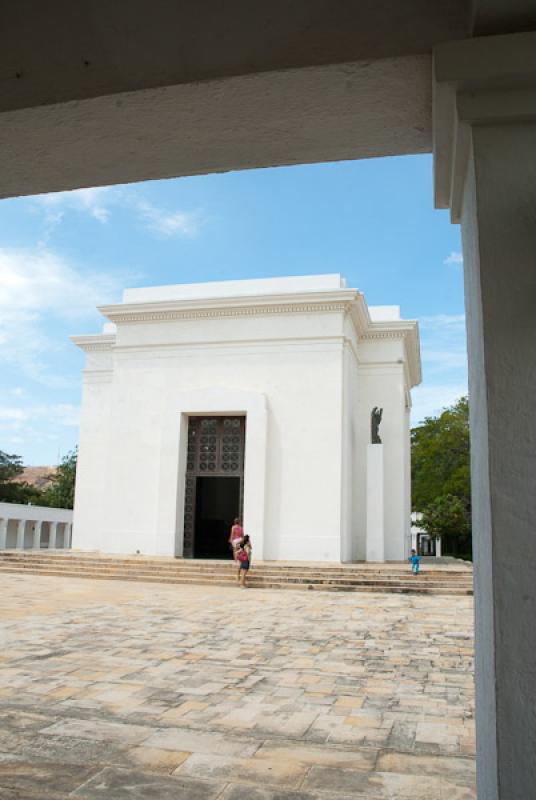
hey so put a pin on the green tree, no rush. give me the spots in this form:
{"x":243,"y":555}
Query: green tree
{"x":12,"y":491}
{"x":440,"y":457}
{"x":61,"y":493}
{"x":446,"y":516}
{"x":10,"y":467}
{"x":441,"y":478}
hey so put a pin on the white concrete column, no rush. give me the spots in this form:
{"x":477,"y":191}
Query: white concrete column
{"x":21,"y":527}
{"x":375,"y":504}
{"x":438,"y":547}
{"x":485,"y":168}
{"x":3,"y":533}
{"x":52,"y":535}
{"x":36,"y":545}
{"x":67,"y":535}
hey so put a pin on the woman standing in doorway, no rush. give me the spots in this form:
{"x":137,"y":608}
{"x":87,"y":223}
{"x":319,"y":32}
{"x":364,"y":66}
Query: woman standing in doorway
{"x":235,"y":539}
{"x":244,"y":560}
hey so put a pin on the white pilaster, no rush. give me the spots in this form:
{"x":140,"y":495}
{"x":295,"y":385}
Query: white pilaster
{"x":21,"y":527}
{"x":3,"y":533}
{"x":37,"y":535}
{"x":52,"y":535}
{"x":485,"y":170}
{"x":375,"y":503}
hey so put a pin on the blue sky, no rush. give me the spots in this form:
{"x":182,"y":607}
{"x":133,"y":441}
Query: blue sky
{"x":61,"y":255}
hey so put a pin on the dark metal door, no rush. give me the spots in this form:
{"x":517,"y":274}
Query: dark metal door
{"x":215,"y":448}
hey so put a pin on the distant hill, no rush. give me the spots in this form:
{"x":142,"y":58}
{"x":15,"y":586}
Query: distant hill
{"x":39,"y":477}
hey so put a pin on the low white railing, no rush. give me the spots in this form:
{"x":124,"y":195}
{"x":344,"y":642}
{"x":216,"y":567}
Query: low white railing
{"x":27,"y":527}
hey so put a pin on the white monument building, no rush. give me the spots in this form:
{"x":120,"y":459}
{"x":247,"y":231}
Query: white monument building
{"x":203,"y":402}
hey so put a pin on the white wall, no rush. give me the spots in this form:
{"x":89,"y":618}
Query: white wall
{"x":94,"y":470}
{"x":304,"y":358}
{"x":118,"y":494}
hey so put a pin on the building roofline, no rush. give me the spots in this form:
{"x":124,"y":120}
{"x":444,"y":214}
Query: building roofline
{"x":350,"y":301}
{"x":223,"y":306}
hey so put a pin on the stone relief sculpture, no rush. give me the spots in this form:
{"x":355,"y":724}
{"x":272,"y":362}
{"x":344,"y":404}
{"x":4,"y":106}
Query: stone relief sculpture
{"x":375,"y":419}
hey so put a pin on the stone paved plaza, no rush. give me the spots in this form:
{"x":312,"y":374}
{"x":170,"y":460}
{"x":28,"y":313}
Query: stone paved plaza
{"x":119,"y":690}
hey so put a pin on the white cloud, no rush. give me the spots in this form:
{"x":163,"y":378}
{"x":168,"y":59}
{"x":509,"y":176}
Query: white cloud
{"x":15,"y":439}
{"x":443,"y":346}
{"x":65,"y":414}
{"x":444,"y":322}
{"x":167,"y":223}
{"x":429,"y":401}
{"x":45,"y":428}
{"x":38,"y":287}
{"x":94,"y":201}
{"x":34,"y":282}
{"x":444,"y":361}
{"x":10,"y":414}
{"x":453,"y":259}
{"x":440,"y":360}
{"x":99,"y":202}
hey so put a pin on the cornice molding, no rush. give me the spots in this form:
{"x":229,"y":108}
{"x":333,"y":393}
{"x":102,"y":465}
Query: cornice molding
{"x":100,"y":342}
{"x":170,"y":315}
{"x":334,"y":301}
{"x":372,"y":336}
{"x":406,"y":331}
{"x":348,"y":302}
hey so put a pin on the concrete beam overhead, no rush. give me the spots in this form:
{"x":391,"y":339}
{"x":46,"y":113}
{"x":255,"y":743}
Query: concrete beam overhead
{"x":503,"y":16}
{"x":59,"y":51}
{"x":297,"y":116}
{"x":101,"y":93}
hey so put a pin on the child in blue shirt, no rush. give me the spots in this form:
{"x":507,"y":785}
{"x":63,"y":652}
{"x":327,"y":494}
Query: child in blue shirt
{"x":414,"y":560}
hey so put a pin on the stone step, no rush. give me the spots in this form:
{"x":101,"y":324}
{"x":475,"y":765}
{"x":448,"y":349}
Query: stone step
{"x":407,"y":587}
{"x":217,"y":567}
{"x":312,"y":576}
{"x":230,"y":577}
{"x":75,"y":566}
{"x":410,"y":582}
